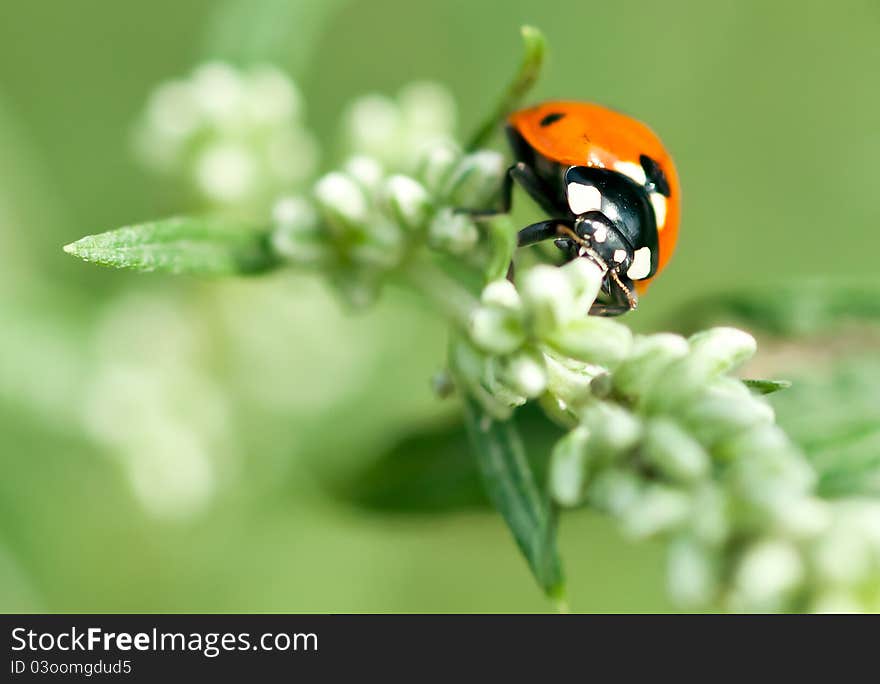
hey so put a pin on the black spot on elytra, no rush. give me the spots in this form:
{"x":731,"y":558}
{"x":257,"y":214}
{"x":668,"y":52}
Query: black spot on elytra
{"x":552,"y":118}
{"x":655,"y":175}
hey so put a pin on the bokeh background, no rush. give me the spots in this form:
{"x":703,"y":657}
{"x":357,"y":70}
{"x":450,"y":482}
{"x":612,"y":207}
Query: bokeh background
{"x":168,"y":444}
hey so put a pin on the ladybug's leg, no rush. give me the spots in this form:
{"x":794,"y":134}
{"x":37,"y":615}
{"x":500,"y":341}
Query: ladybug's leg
{"x":534,"y":186}
{"x":528,"y":180}
{"x":541,"y":231}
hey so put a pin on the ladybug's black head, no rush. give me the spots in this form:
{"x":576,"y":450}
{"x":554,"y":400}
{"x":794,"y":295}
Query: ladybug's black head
{"x":615,"y":227}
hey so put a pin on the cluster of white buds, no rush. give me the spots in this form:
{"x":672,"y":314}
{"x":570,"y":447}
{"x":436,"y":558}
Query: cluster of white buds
{"x":235,"y":136}
{"x":664,"y":439}
{"x":360,"y":223}
{"x":537,"y":339}
{"x":395,"y":131}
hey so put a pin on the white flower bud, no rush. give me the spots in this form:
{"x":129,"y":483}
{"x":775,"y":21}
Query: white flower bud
{"x":226,"y":172}
{"x":615,"y":491}
{"x":765,"y":465}
{"x":343,"y":204}
{"x":585,"y":278}
{"x":172,"y":111}
{"x":692,"y":573}
{"x":723,"y":349}
{"x":496,"y":330}
{"x":801,"y":517}
{"x":502,"y":294}
{"x":674,"y":452}
{"x":768,"y":574}
{"x":614,"y":431}
{"x":650,"y":356}
{"x":366,"y":171}
{"x":569,"y":380}
{"x":297,"y":235}
{"x":272,"y":98}
{"x":428,"y":109}
{"x":476,"y":180}
{"x":408,"y":201}
{"x":218,"y":89}
{"x":567,"y":467}
{"x":658,"y":509}
{"x":497,"y":383}
{"x":372,"y":125}
{"x":548,"y":298}
{"x":380,"y":246}
{"x":453,"y":232}
{"x":718,"y":414}
{"x":525,"y":373}
{"x":712,"y":353}
{"x":436,"y":164}
{"x":710,"y":519}
{"x":592,"y":339}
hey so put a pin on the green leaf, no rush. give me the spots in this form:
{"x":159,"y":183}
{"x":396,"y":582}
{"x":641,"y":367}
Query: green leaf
{"x":431,"y":470}
{"x":767,"y":386}
{"x":511,"y":488}
{"x":202,"y":246}
{"x":533,"y":59}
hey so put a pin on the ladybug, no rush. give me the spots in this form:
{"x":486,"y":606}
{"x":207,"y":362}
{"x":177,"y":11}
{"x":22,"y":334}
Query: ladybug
{"x":610,"y":187}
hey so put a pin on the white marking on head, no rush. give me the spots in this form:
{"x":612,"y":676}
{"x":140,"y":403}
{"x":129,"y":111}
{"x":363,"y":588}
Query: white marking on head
{"x":600,"y":234}
{"x":619,"y":255}
{"x":633,"y":170}
{"x":641,"y":265}
{"x":583,"y":198}
{"x":658,"y":201}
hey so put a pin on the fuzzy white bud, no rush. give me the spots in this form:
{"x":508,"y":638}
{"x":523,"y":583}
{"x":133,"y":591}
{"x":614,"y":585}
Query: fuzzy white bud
{"x":408,"y":201}
{"x":767,"y":574}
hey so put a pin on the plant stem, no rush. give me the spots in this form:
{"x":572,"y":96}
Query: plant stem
{"x":502,"y":240}
{"x":529,"y":69}
{"x":446,"y":293}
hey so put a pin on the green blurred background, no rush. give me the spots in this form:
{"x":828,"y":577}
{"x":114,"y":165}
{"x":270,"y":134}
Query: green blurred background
{"x":175,"y":445}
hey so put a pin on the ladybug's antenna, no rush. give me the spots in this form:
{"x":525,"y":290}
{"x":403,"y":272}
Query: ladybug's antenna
{"x":630,"y":297}
{"x":584,"y":246}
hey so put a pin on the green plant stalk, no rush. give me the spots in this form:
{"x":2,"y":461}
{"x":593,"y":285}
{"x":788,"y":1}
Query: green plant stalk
{"x":502,"y":241}
{"x":445,"y":293}
{"x":533,"y":59}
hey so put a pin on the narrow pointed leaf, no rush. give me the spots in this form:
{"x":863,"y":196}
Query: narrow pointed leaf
{"x":195,"y":245}
{"x":512,"y":489}
{"x":766,"y":386}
